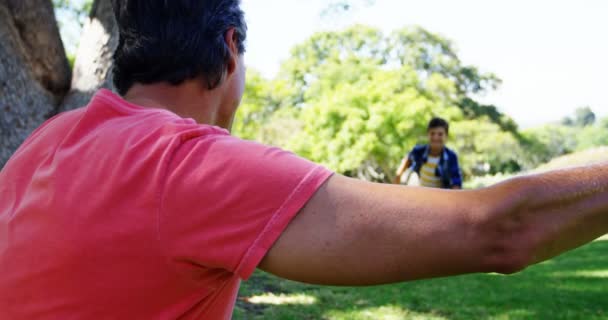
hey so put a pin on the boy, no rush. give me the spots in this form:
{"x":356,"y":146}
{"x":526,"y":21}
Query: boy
{"x":436,"y":165}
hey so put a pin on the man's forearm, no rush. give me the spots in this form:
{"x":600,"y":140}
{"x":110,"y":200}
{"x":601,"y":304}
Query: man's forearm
{"x":540,"y":216}
{"x":358,"y":233}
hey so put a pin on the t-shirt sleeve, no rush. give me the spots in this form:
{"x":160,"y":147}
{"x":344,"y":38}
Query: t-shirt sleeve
{"x":226,"y":201}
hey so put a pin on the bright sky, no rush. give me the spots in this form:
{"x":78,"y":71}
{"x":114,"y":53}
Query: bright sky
{"x":552,"y":55}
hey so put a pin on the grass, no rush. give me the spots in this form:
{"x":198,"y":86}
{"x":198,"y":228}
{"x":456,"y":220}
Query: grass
{"x":572,"y":286}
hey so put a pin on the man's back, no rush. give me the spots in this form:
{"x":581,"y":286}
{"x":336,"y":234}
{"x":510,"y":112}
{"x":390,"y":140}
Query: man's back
{"x":83,"y":236}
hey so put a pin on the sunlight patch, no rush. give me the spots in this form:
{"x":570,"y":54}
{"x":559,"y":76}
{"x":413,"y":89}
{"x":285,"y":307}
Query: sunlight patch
{"x":269,"y":298}
{"x":583,"y":274}
{"x":383,"y":313}
{"x":517,"y":314}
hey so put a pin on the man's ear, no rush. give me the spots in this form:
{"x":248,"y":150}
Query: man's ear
{"x":231,"y":38}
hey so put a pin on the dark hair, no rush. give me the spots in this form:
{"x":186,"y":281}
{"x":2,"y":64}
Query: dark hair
{"x":439,"y":123}
{"x":173,"y":41}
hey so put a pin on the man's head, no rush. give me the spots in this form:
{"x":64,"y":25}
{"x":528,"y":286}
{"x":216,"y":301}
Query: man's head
{"x":176,"y":41}
{"x":438,"y":131}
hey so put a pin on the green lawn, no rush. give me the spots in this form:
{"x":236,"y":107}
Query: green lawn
{"x":572,"y":286}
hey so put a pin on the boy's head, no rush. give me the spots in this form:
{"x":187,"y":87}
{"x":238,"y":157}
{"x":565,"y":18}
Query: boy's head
{"x":174,"y":41}
{"x":438,"y":130}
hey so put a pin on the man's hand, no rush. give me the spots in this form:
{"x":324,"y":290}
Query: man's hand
{"x":358,"y":233}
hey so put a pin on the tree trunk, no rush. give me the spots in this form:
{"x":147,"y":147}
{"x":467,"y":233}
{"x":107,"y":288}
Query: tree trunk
{"x":34,"y":72}
{"x":35,"y":78}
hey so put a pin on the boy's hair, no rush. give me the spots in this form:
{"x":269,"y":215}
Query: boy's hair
{"x":439,"y":123}
{"x":174,"y":41}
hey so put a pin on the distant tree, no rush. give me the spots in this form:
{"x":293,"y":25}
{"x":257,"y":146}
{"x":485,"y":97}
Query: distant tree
{"x":549,"y":141}
{"x":337,"y":8}
{"x":567,"y":121}
{"x":584,"y":117}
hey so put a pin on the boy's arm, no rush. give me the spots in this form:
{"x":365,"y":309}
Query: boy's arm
{"x":405,"y":164}
{"x":358,"y":233}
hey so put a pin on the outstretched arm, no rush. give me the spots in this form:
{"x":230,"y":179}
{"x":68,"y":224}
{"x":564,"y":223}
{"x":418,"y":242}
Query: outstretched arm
{"x":358,"y":233}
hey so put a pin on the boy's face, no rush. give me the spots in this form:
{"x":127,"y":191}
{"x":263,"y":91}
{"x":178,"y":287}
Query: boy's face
{"x":437,"y":137}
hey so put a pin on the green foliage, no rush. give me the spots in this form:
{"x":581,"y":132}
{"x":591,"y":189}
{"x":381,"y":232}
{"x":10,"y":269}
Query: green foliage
{"x":264,"y":114}
{"x":547,"y":142}
{"x":472,"y":110}
{"x":358,"y":100}
{"x":71,"y":60}
{"x":255,"y":107}
{"x":426,"y":53}
{"x":592,"y":136}
{"x":361,"y":127}
{"x":429,"y":53}
{"x":485,"y":148}
{"x":550,"y":141}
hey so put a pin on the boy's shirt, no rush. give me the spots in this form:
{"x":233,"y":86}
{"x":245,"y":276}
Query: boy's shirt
{"x":447,"y":169}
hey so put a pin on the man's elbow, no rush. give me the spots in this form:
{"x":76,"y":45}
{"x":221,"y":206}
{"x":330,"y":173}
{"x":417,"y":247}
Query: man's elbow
{"x":508,"y":252}
{"x":508,"y":241}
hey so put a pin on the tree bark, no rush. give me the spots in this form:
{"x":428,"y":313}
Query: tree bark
{"x":34,"y":71}
{"x":35,"y":77}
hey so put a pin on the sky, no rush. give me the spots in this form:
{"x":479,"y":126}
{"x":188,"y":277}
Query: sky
{"x":552,"y":55}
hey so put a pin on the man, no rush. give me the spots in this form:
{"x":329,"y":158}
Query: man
{"x":142,"y":206}
{"x":436,"y":165}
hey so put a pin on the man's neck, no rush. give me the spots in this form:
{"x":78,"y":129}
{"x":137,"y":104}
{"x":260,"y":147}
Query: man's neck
{"x":187,"y":100}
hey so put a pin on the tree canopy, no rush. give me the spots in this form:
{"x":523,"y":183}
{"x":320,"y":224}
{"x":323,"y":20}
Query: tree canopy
{"x":358,"y":100}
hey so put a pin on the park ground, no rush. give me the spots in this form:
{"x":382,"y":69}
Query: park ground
{"x":571,"y":286}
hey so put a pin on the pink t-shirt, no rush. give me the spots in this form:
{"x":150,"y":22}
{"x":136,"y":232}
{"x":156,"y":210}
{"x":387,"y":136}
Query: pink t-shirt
{"x":116,"y":211}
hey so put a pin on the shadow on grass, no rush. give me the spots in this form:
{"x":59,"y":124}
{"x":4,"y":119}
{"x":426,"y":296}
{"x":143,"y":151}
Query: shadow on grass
{"x":572,"y":286}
